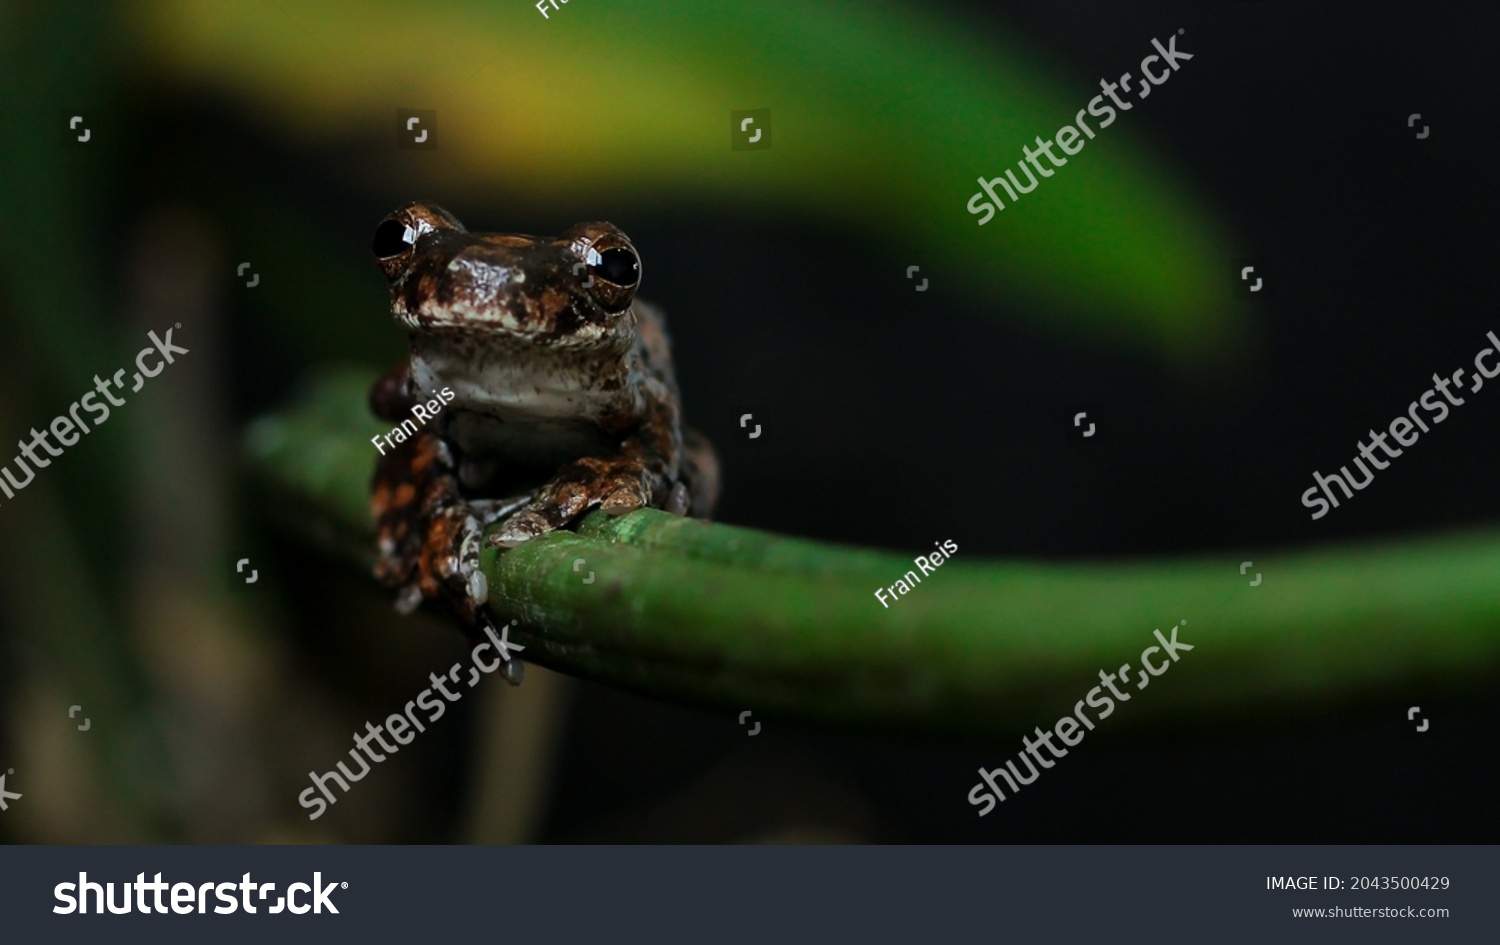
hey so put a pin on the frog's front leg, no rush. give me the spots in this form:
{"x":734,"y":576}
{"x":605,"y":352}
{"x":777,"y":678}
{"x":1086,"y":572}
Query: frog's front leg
{"x":645,"y":473}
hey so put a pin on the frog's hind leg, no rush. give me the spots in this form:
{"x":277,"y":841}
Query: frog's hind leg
{"x":699,"y":476}
{"x":428,"y":534}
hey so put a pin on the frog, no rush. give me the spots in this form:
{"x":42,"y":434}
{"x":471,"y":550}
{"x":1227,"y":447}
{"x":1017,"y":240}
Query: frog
{"x":550,"y":392}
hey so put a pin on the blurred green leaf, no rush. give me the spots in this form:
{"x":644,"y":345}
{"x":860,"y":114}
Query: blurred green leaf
{"x":883,"y":119}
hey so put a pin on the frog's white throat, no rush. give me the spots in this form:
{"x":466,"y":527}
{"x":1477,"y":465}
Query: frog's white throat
{"x":538,"y":402}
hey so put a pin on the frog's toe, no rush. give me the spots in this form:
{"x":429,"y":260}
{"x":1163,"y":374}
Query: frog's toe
{"x":624,"y":487}
{"x":479,"y":589}
{"x":519,"y":529}
{"x":627,"y":499}
{"x":409,"y":599}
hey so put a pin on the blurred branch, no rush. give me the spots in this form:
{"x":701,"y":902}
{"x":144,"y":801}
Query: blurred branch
{"x":60,"y":542}
{"x":743,"y":619}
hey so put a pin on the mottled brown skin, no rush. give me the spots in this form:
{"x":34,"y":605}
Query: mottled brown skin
{"x":564,"y":399}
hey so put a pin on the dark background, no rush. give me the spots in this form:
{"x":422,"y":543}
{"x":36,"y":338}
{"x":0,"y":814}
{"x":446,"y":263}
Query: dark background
{"x":893,"y":418}
{"x":1294,"y":120}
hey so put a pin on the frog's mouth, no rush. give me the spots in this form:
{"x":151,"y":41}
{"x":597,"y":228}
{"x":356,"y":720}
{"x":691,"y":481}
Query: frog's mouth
{"x":502,"y":334}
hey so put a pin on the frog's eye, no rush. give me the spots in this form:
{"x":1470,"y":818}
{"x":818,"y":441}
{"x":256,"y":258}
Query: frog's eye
{"x":618,"y":265}
{"x":613,"y":275}
{"x":392,"y":238}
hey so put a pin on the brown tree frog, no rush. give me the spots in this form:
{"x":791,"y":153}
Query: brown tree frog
{"x":556,"y":391}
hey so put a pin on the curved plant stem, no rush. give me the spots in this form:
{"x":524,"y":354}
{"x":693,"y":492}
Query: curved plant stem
{"x":743,"y":619}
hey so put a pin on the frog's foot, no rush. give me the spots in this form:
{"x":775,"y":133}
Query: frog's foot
{"x":616,"y":486}
{"x":428,"y":535}
{"x":448,"y":562}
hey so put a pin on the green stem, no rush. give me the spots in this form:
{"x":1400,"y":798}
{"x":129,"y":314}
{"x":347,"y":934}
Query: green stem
{"x":742,"y":619}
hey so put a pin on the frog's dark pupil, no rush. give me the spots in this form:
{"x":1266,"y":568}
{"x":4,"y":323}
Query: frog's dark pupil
{"x":390,"y":239}
{"x":618,"y":266}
